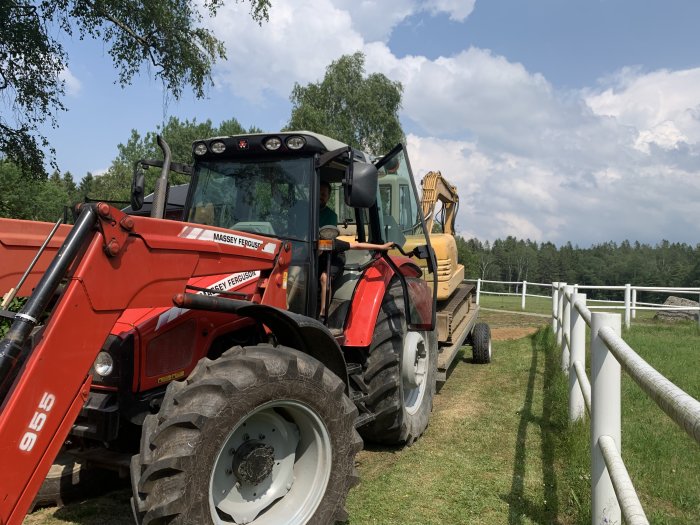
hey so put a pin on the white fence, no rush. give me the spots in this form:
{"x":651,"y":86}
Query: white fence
{"x":612,"y":492}
{"x":629,"y":303}
{"x":522,"y":293}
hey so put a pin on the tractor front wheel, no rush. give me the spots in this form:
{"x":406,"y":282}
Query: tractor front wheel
{"x":262,"y":435}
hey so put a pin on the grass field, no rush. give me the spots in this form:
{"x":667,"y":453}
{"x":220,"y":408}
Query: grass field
{"x":499,"y":448}
{"x":543,"y":306}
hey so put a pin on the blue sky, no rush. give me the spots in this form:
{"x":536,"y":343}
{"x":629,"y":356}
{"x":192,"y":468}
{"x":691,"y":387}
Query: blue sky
{"x":557,"y":120}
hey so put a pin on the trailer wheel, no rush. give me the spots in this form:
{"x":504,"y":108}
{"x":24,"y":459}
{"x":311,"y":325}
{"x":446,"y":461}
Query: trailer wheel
{"x":481,"y":343}
{"x":263,"y":435}
{"x":401,"y":375}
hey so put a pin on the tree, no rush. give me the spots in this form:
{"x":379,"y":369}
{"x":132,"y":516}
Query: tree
{"x":26,"y":198}
{"x":165,"y":34}
{"x":360,"y":110}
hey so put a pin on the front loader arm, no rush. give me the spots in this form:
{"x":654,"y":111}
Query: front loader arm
{"x":111,"y":262}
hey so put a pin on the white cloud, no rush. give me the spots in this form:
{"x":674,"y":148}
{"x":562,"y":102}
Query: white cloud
{"x":617,"y":160}
{"x":663,"y":106}
{"x":375,"y":20}
{"x":73,"y":86}
{"x":458,"y":10}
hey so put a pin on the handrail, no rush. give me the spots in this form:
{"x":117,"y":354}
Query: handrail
{"x":624,"y":489}
{"x":612,"y":489}
{"x":678,"y":405}
{"x":585,"y":384}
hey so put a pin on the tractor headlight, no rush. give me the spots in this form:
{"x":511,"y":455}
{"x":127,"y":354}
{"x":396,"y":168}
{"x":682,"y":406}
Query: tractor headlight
{"x":200,"y":148}
{"x":272,"y":144}
{"x":295,"y":142}
{"x":218,"y":147}
{"x":104,"y":364}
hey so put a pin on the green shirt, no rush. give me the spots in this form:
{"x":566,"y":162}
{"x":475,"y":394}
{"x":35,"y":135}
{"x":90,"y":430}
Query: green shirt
{"x":327,"y":217}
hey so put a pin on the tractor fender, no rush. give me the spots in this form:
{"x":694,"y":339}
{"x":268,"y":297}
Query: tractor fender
{"x":298,"y":331}
{"x":368,"y":296}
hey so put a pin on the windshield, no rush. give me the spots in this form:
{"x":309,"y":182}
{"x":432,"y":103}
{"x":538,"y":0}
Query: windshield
{"x":268,"y":197}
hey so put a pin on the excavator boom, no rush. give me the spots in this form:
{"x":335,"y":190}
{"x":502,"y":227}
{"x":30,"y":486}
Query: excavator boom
{"x":436,"y":188}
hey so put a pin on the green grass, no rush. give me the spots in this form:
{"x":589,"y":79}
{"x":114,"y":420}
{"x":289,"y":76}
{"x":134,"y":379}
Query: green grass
{"x":537,"y":305}
{"x":542,"y":305}
{"x":487,"y":456}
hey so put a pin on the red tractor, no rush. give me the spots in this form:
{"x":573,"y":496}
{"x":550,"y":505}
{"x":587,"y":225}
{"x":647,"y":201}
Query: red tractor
{"x":203,"y":338}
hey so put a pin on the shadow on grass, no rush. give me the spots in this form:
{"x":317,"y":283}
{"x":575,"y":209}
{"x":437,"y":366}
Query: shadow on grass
{"x":544,"y":509}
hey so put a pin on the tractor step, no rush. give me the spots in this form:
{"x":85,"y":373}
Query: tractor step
{"x":353,"y":368}
{"x":357,"y":395}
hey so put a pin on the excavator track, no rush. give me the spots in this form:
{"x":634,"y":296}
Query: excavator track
{"x":455,"y":320}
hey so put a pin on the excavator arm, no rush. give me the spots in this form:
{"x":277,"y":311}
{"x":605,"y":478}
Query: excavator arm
{"x":108,"y":262}
{"x":435,"y":188}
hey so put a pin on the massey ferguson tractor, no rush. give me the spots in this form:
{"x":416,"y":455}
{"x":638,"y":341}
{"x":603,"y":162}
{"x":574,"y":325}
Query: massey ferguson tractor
{"x":190,"y":355}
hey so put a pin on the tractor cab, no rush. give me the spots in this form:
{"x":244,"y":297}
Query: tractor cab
{"x":269,"y":184}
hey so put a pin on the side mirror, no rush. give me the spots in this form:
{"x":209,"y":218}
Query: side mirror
{"x":137,"y":187}
{"x":361,"y":185}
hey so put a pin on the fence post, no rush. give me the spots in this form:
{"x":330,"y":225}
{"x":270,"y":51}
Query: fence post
{"x":627,"y":305}
{"x":522,"y":301}
{"x":560,"y":312}
{"x":555,"y":305}
{"x":566,"y":332}
{"x":478,"y":290}
{"x":577,"y":406}
{"x":605,"y":418}
{"x":634,"y":303}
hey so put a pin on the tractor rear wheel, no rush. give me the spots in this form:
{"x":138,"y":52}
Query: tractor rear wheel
{"x":262,"y":435}
{"x":401,"y":375}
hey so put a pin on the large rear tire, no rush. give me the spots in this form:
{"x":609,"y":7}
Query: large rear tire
{"x":263,"y":435}
{"x":401,"y":375}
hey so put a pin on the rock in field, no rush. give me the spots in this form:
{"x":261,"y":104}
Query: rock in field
{"x":681,"y":315}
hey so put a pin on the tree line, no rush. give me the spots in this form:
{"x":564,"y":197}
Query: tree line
{"x":609,"y":263}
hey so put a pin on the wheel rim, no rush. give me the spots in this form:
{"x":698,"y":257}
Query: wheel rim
{"x":273,"y":467}
{"x":414,"y":366}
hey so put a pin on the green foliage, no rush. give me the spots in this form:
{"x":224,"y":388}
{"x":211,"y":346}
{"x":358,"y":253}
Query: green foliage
{"x":511,"y":259}
{"x":23,"y":197}
{"x":360,"y":110}
{"x":166,"y":35}
{"x":15,"y":305}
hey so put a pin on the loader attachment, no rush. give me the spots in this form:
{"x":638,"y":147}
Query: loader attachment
{"x":108,"y":262}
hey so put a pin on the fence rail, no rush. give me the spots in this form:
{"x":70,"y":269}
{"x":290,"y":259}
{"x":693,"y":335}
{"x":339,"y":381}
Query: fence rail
{"x":629,"y":302}
{"x":612,"y":491}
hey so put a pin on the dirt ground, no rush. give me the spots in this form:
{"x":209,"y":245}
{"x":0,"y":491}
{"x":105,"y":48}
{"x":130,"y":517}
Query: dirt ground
{"x":507,"y":333}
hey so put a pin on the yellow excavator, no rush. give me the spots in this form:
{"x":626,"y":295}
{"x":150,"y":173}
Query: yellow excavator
{"x":457,"y":311}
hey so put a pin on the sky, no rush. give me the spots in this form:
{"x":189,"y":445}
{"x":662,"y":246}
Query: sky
{"x":557,"y":120}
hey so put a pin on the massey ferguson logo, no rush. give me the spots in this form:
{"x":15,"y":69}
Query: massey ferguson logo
{"x":227,"y":283}
{"x":237,"y":240}
{"x":226,"y":238}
